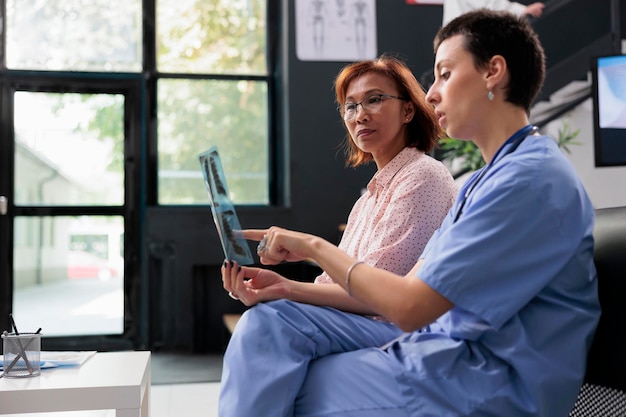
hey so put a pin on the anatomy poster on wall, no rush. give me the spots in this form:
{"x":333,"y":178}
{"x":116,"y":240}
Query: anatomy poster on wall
{"x":336,"y":30}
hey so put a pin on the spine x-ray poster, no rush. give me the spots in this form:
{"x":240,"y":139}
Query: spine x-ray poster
{"x":336,"y":30}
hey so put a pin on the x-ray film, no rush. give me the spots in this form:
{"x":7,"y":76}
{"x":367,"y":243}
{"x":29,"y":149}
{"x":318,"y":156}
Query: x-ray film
{"x":228,"y":228}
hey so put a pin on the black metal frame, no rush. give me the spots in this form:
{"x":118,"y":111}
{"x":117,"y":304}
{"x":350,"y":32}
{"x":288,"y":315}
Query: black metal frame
{"x":140,"y":166}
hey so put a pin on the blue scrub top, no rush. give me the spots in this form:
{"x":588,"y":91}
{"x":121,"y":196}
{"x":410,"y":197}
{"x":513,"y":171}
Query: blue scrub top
{"x":518,"y":266}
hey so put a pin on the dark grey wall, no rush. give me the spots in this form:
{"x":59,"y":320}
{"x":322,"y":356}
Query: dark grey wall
{"x":323,"y":190}
{"x":182,"y":251}
{"x":181,"y":287}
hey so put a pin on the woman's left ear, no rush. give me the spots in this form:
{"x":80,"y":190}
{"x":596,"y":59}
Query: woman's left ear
{"x":496,"y":70}
{"x":409,"y":112}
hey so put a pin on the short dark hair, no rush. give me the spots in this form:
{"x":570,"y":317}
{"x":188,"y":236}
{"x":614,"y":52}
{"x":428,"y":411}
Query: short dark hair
{"x":423,"y":131}
{"x":488,"y":33}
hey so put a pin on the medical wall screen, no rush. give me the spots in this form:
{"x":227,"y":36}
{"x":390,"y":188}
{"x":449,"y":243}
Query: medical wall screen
{"x":609,"y":108}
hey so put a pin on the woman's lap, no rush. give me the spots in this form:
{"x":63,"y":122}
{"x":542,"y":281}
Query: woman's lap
{"x":273,"y":345}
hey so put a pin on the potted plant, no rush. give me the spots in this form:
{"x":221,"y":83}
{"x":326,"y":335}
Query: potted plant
{"x":471,"y":159}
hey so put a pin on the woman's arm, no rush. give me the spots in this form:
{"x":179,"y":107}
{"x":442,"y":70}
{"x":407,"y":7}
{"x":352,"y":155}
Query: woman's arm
{"x":254,"y":285}
{"x":331,"y":295}
{"x":406,"y":301}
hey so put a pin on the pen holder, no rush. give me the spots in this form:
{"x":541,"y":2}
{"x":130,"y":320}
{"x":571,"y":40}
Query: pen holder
{"x":21,"y":354}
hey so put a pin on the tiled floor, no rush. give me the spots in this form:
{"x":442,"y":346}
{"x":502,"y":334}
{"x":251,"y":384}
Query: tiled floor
{"x":180,"y":400}
{"x":184,"y":400}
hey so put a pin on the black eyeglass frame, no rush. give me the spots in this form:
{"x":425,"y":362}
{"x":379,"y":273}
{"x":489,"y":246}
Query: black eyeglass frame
{"x":341,"y":107}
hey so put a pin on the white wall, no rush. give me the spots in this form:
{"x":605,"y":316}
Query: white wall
{"x":606,"y":185}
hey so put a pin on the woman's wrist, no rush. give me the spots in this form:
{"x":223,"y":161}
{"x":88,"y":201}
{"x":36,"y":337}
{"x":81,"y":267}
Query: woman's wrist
{"x":348,"y":273}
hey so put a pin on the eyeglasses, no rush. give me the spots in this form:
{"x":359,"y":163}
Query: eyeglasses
{"x":371,"y":104}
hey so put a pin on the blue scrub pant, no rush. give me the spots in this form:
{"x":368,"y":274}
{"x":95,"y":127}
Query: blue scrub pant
{"x":293,"y":359}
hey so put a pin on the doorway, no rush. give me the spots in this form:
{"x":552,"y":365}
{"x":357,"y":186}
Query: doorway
{"x":67,"y":216}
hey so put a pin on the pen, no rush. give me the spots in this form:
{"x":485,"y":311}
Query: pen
{"x":13,"y":324}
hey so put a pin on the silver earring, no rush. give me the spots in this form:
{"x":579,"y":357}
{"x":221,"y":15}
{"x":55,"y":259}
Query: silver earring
{"x":490,"y":95}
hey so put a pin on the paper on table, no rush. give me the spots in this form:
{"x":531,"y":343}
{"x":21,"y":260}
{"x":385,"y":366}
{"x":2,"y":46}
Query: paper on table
{"x":51,"y":359}
{"x":66,"y":358}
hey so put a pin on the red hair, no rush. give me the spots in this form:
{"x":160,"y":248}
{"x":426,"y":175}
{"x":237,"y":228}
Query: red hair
{"x":423,"y":131}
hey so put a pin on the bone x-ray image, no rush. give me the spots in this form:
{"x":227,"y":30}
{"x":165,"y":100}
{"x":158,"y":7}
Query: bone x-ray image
{"x":226,"y":220}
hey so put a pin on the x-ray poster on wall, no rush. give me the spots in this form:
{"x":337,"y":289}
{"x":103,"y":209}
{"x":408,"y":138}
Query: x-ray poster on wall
{"x":336,"y":30}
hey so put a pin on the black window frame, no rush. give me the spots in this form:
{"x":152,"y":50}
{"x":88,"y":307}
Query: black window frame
{"x":152,"y":75}
{"x":140,"y":91}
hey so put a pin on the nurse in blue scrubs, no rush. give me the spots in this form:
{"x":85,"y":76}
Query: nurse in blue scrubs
{"x":498,"y":314}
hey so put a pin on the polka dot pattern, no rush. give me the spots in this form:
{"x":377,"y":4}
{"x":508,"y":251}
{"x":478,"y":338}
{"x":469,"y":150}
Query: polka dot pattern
{"x":405,"y":202}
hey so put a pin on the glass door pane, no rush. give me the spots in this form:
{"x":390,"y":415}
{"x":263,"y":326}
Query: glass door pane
{"x":68,"y":264}
{"x":69,"y":149}
{"x":68,"y":275}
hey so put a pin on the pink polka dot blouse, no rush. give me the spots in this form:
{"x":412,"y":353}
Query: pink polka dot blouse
{"x":405,"y":202}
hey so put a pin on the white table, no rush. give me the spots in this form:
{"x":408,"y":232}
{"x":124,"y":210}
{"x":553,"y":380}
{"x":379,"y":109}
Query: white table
{"x":117,"y":381}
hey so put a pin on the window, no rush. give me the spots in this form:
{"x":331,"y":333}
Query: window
{"x":112,"y":101}
{"x":212,"y":91}
{"x":194,"y":115}
{"x":74,"y":35}
{"x":207,"y":72}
